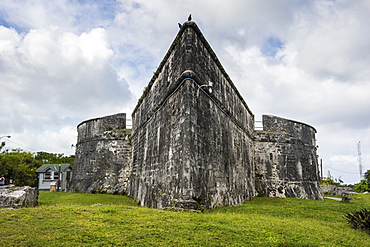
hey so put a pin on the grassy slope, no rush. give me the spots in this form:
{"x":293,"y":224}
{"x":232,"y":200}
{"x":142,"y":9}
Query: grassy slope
{"x":69,"y":219}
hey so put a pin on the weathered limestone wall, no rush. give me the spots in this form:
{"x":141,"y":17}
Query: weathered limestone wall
{"x":93,"y":128}
{"x":223,"y":152}
{"x":188,"y":150}
{"x":161,"y":168}
{"x":286,"y":159}
{"x":102,"y":162}
{"x":190,"y":55}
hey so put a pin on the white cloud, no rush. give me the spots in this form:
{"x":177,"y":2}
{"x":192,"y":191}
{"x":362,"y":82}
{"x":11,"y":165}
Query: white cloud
{"x":330,"y":36}
{"x":34,"y":14}
{"x":52,"y":78}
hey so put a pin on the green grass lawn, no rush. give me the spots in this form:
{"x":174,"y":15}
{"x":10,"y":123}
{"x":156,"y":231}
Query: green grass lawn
{"x":70,"y":219}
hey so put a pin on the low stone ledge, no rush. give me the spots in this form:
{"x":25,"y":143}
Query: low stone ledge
{"x":336,"y":191}
{"x":18,"y":197}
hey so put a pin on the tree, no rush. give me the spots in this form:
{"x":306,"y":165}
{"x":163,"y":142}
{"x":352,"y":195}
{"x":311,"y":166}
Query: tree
{"x":54,"y":158}
{"x":364,"y":184}
{"x":19,"y":165}
{"x":367,"y":177}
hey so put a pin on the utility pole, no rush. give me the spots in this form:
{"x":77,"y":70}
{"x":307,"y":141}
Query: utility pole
{"x":321,"y":177}
{"x":58,"y":185}
{"x":359,"y":158}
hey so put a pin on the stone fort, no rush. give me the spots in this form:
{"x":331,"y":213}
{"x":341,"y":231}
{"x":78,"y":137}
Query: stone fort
{"x":193,"y":141}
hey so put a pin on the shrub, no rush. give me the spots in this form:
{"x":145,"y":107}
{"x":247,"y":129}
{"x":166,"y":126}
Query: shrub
{"x":362,"y":186}
{"x":359,"y":220}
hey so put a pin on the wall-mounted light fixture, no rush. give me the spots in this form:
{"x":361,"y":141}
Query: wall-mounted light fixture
{"x":209,"y":85}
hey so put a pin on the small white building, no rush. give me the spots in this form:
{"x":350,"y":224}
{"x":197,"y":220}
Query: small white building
{"x":50,"y":174}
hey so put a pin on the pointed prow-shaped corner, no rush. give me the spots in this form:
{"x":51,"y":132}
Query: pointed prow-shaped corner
{"x":189,"y":22}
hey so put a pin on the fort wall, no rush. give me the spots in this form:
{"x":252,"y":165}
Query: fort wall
{"x":286,"y":159}
{"x":191,"y":147}
{"x":103,"y":156}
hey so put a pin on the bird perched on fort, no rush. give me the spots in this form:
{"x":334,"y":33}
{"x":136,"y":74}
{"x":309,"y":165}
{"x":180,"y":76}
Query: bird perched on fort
{"x":180,"y":26}
{"x":189,"y":18}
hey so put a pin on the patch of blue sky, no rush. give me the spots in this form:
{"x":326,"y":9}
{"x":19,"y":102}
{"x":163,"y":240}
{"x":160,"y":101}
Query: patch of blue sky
{"x":107,"y":9}
{"x":127,"y":7}
{"x":271,"y":46}
{"x":4,"y":21}
{"x":134,"y":57}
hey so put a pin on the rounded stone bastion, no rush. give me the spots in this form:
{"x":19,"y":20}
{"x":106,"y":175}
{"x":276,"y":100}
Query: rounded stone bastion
{"x":102,"y":162}
{"x":286,"y":159}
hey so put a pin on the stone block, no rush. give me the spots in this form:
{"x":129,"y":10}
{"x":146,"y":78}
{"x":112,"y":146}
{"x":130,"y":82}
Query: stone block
{"x":16,"y":197}
{"x":333,"y":190}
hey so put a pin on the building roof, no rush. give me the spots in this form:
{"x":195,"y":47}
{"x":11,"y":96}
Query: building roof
{"x":54,"y":167}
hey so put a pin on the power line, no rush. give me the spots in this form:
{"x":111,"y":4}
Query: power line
{"x":30,"y":147}
{"x":22,"y":145}
{"x":341,"y":171}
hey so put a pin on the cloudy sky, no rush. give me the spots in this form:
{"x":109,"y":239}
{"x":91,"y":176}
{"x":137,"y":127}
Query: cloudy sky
{"x":66,"y":61}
